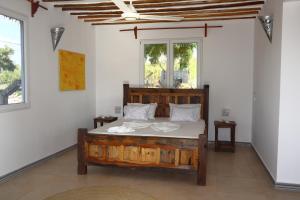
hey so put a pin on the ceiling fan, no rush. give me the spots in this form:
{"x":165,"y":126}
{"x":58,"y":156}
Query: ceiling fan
{"x":130,"y":14}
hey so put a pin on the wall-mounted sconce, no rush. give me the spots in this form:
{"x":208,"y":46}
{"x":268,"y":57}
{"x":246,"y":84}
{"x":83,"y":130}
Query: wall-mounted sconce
{"x":267,"y":23}
{"x":56,"y":34}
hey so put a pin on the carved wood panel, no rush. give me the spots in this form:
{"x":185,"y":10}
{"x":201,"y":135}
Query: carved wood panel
{"x":150,"y":155}
{"x":131,"y":154}
{"x":186,"y":157}
{"x":115,"y":153}
{"x":93,"y":150}
{"x":143,"y":155}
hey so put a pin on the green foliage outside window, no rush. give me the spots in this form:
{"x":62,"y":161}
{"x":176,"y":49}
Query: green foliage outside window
{"x":156,"y":64}
{"x":6,"y":64}
{"x":154,"y":51}
{"x":11,"y":34}
{"x":182,"y":52}
{"x":185,"y":61}
{"x":9,"y":72}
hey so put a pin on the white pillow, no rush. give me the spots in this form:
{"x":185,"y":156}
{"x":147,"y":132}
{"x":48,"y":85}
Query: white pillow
{"x":172,"y":105}
{"x":137,"y":112}
{"x":185,"y":112}
{"x":152,"y":109}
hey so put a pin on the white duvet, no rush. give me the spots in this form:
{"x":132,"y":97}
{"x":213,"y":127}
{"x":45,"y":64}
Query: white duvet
{"x":136,"y":124}
{"x":128,"y":127}
{"x":160,"y":127}
{"x":165,"y":126}
{"x":120,"y":129}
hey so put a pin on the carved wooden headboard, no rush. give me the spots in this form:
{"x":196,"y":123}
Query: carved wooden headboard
{"x":164,"y":96}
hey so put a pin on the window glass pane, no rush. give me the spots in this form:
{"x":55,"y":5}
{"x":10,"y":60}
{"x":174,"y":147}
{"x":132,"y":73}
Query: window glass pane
{"x":185,"y":65}
{"x":11,"y":33}
{"x":155,"y":65}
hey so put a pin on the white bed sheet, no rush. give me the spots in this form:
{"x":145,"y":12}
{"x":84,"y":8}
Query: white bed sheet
{"x":188,"y":130}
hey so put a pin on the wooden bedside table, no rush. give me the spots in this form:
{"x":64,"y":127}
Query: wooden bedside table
{"x":225,"y":145}
{"x":103,"y":120}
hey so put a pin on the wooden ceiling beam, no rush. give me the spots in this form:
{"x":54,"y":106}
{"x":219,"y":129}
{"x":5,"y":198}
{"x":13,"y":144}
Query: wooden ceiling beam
{"x":191,"y":16}
{"x":142,"y":12}
{"x":191,"y":10}
{"x":176,"y":13}
{"x":135,"y":2}
{"x":59,"y":0}
{"x":171,"y":7}
{"x":96,"y":13}
{"x":188,"y":20}
{"x":146,"y":4}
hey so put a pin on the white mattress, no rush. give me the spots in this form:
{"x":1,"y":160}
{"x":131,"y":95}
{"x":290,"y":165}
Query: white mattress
{"x":188,"y":130}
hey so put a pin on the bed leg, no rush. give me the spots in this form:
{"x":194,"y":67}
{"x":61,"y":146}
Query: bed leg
{"x":82,"y":166}
{"x":202,"y":160}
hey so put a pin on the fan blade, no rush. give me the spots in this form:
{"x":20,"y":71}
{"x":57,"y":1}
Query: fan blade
{"x":132,"y":7}
{"x":162,"y":18}
{"x":112,"y":20}
{"x":123,"y":7}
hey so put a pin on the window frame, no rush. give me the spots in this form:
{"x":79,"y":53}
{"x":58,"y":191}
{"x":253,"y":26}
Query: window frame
{"x":25,"y":61}
{"x":170,"y":58}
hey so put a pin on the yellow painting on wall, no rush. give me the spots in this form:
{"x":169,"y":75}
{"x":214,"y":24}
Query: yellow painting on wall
{"x":72,"y":70}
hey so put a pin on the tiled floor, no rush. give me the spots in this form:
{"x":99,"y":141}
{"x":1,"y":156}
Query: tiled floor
{"x":230,"y":176}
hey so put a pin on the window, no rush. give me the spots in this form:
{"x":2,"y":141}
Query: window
{"x":170,"y":63}
{"x":12,"y":61}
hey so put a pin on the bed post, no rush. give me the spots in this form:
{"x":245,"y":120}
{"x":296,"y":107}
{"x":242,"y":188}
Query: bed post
{"x":125,"y":94}
{"x":202,"y":159}
{"x":206,"y":106}
{"x":82,"y":166}
{"x":203,"y":143}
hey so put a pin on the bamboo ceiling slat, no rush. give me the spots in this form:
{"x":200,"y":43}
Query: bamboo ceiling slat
{"x":153,"y":21}
{"x":146,"y":4}
{"x":168,"y":8}
{"x":153,"y":11}
{"x":193,"y":16}
{"x":58,"y":0}
{"x":175,"y":13}
{"x":107,"y":2}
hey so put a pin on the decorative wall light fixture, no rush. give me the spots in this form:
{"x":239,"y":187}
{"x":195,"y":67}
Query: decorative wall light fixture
{"x":267,"y":23}
{"x":56,"y":34}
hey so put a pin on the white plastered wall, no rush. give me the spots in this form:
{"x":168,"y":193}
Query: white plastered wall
{"x":50,"y":124}
{"x":267,"y":65}
{"x":227,"y":65}
{"x":289,"y":133}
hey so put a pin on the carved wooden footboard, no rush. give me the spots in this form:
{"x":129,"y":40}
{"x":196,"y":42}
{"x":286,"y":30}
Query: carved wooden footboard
{"x":137,"y":151}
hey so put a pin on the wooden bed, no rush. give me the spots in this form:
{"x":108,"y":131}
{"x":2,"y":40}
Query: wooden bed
{"x":144,"y":151}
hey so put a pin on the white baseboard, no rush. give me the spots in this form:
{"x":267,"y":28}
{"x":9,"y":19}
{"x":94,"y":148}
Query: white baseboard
{"x":287,"y":186}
